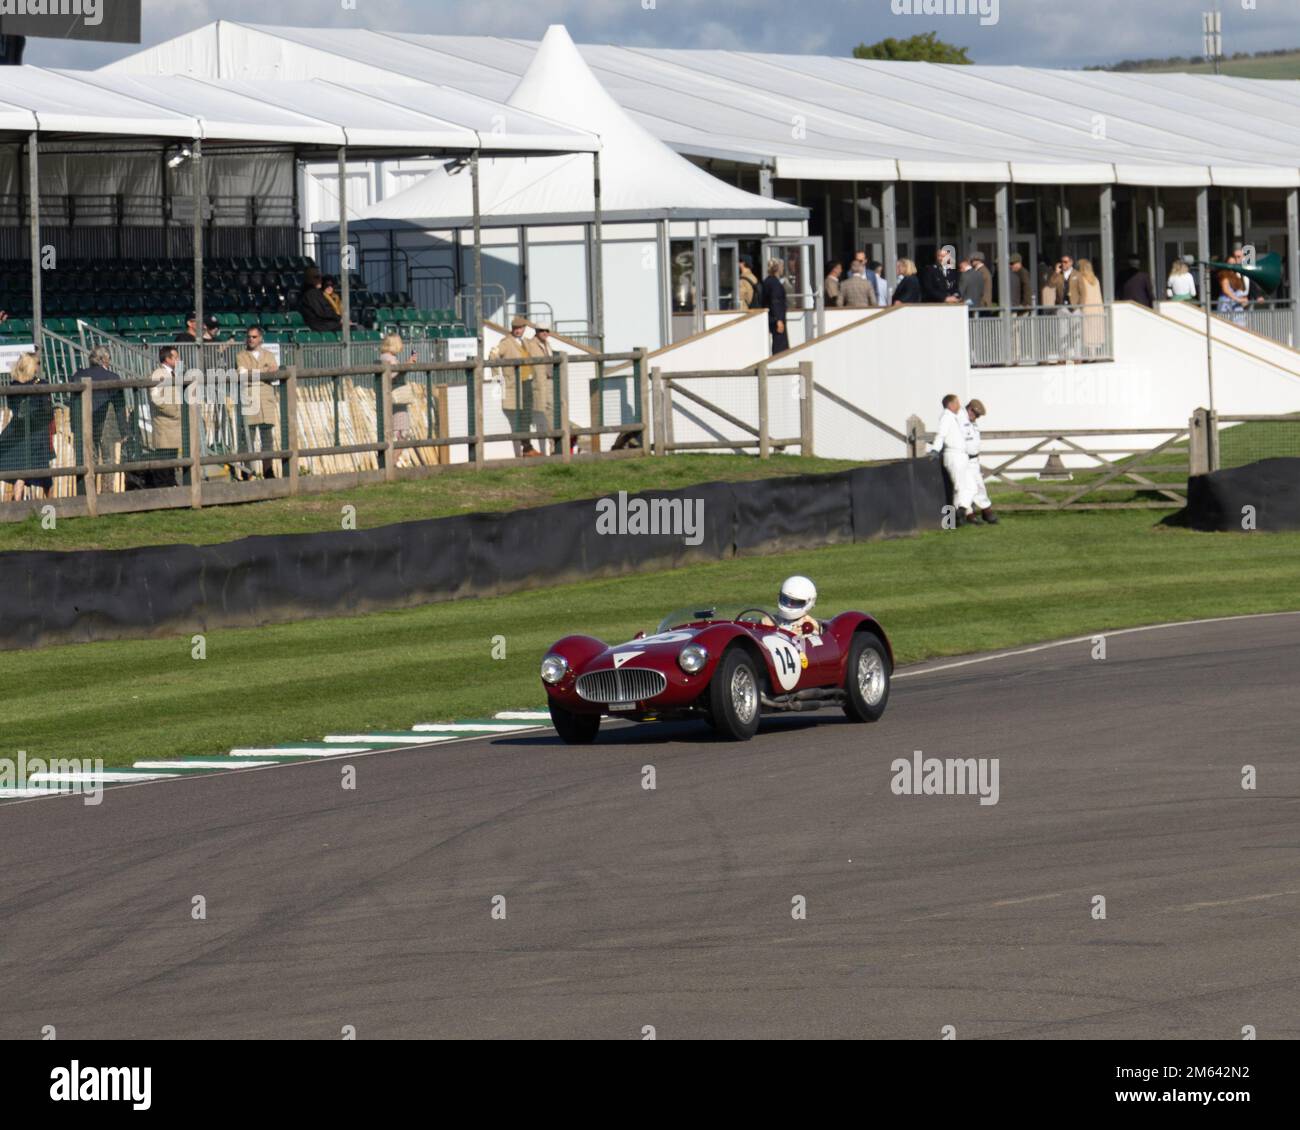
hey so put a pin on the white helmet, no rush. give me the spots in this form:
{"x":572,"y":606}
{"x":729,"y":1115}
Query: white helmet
{"x":798,"y":595}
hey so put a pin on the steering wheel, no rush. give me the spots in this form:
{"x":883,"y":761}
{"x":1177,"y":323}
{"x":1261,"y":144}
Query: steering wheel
{"x":762,"y":614}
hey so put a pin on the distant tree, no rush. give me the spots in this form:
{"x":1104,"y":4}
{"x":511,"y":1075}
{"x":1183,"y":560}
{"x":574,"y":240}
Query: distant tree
{"x":926,"y":48}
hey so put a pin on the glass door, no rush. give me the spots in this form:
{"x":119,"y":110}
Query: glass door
{"x":802,"y":273}
{"x":725,"y":280}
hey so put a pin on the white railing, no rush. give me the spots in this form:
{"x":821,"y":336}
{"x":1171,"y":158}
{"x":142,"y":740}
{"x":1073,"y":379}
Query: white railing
{"x":1042,"y":336}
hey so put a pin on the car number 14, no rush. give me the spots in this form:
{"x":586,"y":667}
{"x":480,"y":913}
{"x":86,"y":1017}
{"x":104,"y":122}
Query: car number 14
{"x":785,"y":659}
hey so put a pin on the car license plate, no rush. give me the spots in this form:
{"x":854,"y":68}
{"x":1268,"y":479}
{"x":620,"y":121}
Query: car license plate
{"x":622,"y":706}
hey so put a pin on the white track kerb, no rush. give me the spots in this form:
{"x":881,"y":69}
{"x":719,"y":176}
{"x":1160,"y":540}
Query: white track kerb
{"x":431,"y":733}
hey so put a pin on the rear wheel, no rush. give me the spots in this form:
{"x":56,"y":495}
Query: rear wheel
{"x":866,"y":679}
{"x":574,"y":729}
{"x":734,"y":697}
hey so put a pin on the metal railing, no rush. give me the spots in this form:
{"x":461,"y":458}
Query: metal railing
{"x":1274,"y":319}
{"x":1042,"y":336}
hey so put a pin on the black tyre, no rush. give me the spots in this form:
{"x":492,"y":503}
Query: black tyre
{"x":866,"y":679}
{"x":734,"y":697}
{"x":574,"y":729}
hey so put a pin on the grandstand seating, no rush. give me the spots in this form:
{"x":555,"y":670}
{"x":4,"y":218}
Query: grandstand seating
{"x":147,"y":300}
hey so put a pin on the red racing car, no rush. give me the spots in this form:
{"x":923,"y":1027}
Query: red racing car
{"x":727,"y":669}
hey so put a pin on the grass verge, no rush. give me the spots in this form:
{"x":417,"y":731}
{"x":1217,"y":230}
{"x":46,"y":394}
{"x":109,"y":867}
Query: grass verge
{"x":1034,"y":577}
{"x":455,"y":491}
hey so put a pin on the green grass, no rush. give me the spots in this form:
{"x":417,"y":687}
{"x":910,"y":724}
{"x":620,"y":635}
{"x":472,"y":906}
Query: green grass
{"x":1034,"y":577}
{"x":456,"y":491}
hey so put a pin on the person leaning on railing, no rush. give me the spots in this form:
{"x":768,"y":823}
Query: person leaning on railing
{"x":106,"y":405}
{"x":403,"y":394}
{"x":25,"y":442}
{"x":166,"y":402}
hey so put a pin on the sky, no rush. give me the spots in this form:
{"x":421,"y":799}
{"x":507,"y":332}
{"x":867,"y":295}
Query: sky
{"x":1044,"y":33}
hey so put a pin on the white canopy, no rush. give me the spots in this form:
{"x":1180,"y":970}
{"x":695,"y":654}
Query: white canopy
{"x":641,"y":177}
{"x":820,"y":117}
{"x":393,"y":115}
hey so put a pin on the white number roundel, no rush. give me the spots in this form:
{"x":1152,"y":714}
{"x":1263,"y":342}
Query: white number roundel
{"x":785,"y":660}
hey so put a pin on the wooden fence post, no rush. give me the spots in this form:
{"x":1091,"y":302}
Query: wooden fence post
{"x":657,"y":408}
{"x":566,"y":436}
{"x":643,"y":377}
{"x":806,"y":406}
{"x":916,"y":445}
{"x":764,"y":432}
{"x":477,"y":393}
{"x":291,"y":441}
{"x":88,"y":446}
{"x":386,"y":421}
{"x":192,"y":395}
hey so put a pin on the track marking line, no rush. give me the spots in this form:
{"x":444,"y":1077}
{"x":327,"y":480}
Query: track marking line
{"x":523,"y":715}
{"x":387,"y":739}
{"x":92,"y":778}
{"x":305,"y":752}
{"x":471,"y":727}
{"x":1234,"y":902}
{"x":204,"y":764}
{"x":912,"y":671}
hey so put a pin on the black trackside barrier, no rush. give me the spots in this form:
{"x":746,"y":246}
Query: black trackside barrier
{"x":49,"y":598}
{"x":1219,"y":501}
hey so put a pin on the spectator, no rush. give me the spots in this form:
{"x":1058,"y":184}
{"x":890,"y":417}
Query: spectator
{"x":1067,"y":284}
{"x":315,"y":307}
{"x":106,"y":406}
{"x":831,"y":288}
{"x":856,"y":291}
{"x":773,"y":295}
{"x":986,"y":276}
{"x":515,"y":381}
{"x":1135,"y":285}
{"x":862,"y":267}
{"x":882,"y":287}
{"x":950,"y":446}
{"x":330,"y":288}
{"x":749,"y":284}
{"x":909,"y":286}
{"x":1094,"y":310}
{"x":982,"y":507}
{"x":262,"y":410}
{"x":1022,"y":286}
{"x":210,"y":326}
{"x":25,"y":443}
{"x":1233,"y":290}
{"x":544,"y":415}
{"x":939,"y":279}
{"x":1181,"y":285}
{"x":166,"y":401}
{"x":402,"y":391}
{"x":970,"y":285}
{"x":1046,"y":287}
{"x":1239,"y":258}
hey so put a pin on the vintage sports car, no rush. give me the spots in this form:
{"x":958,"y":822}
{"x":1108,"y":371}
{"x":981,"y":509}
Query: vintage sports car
{"x":724,"y":668}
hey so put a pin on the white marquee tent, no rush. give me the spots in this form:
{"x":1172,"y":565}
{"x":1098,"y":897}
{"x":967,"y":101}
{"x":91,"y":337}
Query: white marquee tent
{"x":820,"y":117}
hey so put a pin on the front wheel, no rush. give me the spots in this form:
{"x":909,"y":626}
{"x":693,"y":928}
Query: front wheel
{"x":866,"y":679}
{"x":574,"y":729}
{"x":734,"y":697}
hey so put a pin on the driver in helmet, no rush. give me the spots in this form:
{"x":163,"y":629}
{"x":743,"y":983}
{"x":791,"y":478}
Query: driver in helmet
{"x":794,"y":605}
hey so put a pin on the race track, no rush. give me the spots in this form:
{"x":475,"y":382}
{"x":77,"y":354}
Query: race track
{"x":672,"y":908}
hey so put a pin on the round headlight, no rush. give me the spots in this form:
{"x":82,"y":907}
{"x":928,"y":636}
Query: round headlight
{"x":692,"y":658}
{"x":554,"y":668}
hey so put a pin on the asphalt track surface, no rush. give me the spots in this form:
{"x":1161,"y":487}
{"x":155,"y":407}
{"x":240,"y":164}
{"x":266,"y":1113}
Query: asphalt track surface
{"x":672,"y":908}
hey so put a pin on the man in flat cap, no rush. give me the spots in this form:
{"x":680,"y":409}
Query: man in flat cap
{"x":516,"y":382}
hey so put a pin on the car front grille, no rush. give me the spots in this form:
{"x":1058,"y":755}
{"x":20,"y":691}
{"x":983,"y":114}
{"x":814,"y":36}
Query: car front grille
{"x":626,"y":684}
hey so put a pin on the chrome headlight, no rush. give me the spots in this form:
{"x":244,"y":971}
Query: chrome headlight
{"x":692,"y":658}
{"x":554,"y":668}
